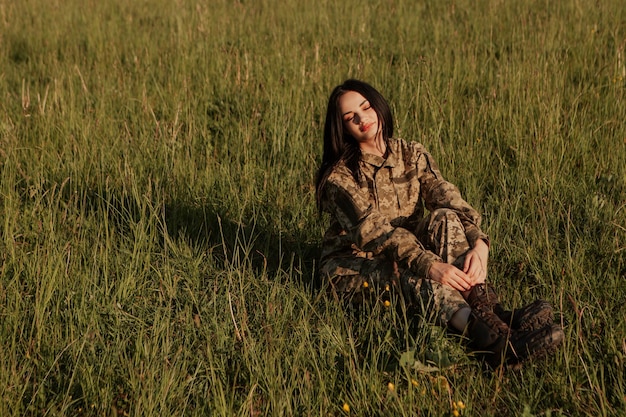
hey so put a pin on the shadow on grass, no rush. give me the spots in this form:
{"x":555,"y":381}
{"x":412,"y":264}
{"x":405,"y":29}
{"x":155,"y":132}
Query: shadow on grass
{"x":267,"y":248}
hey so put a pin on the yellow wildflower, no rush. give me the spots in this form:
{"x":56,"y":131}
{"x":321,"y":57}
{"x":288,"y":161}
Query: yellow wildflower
{"x":391,"y":386}
{"x":365,"y":284}
{"x":387,"y":303}
{"x":346,"y":407}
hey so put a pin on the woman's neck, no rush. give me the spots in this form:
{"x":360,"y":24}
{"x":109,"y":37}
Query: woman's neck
{"x":376,"y":146}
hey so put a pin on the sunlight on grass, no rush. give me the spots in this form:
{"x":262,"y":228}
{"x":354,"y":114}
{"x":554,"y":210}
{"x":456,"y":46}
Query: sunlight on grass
{"x":159,"y":237}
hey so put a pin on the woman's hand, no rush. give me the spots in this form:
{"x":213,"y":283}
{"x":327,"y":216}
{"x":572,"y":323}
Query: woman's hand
{"x":450,"y":275}
{"x":474,"y":269}
{"x":475,"y":265}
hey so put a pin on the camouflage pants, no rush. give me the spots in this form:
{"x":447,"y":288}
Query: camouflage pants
{"x":442,"y":233}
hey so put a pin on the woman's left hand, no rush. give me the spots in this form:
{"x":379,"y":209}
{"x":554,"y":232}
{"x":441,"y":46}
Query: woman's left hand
{"x":475,"y":265}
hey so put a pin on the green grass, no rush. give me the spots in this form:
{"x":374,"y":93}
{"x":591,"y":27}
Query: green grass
{"x":159,"y":238}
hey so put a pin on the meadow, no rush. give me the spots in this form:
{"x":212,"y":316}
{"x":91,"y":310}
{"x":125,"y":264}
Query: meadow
{"x":158,"y":232}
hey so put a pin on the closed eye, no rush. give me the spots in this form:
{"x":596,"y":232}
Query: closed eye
{"x":364,"y":107}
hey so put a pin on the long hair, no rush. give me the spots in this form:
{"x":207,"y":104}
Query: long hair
{"x":338,"y":144}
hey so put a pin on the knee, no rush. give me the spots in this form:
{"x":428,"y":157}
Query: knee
{"x":444,"y":215}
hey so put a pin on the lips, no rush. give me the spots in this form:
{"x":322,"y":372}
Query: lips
{"x":365,"y":127}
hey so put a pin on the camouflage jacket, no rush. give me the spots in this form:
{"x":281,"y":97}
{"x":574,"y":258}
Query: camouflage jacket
{"x":379,"y":214}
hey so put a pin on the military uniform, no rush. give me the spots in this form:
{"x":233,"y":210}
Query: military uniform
{"x":378,"y":233}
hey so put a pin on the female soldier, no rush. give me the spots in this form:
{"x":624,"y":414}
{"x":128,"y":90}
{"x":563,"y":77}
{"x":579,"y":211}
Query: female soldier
{"x":375,"y":188}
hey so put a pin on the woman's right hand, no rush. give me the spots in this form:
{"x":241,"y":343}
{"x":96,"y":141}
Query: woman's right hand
{"x":450,"y":275}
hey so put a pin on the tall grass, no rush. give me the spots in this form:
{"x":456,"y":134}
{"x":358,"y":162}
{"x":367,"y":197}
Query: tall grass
{"x":159,"y":236}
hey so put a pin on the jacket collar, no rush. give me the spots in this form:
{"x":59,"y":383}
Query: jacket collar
{"x":378,"y":162}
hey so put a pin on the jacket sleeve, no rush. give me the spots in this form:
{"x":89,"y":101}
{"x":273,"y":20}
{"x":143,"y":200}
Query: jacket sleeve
{"x":370,"y":230}
{"x":439,"y":193}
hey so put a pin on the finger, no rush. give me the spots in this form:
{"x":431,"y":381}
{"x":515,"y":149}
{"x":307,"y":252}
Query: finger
{"x":471,"y":267}
{"x":467,"y":263}
{"x":481,"y":276}
{"x":475,"y":279}
{"x":478,"y":270}
{"x":457,"y":285}
{"x":449,"y":278}
{"x":468,"y":283}
{"x":477,"y":275}
{"x":456,"y":278}
{"x":463,"y":280}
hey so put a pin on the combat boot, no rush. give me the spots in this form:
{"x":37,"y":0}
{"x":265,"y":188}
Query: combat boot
{"x":488,"y":337}
{"x":498,"y":342}
{"x":533,"y":316}
{"x":537,"y":343}
{"x":497,"y":346}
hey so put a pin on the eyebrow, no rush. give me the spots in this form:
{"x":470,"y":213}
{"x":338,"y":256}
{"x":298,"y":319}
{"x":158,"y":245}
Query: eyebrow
{"x":362,"y":103}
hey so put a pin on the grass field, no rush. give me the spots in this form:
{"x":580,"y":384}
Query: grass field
{"x":158,"y":232}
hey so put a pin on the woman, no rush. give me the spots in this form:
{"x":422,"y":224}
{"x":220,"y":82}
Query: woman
{"x":375,"y":189}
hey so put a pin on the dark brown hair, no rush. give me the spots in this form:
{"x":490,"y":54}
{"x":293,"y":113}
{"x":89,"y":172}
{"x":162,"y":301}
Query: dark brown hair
{"x":338,"y":144}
